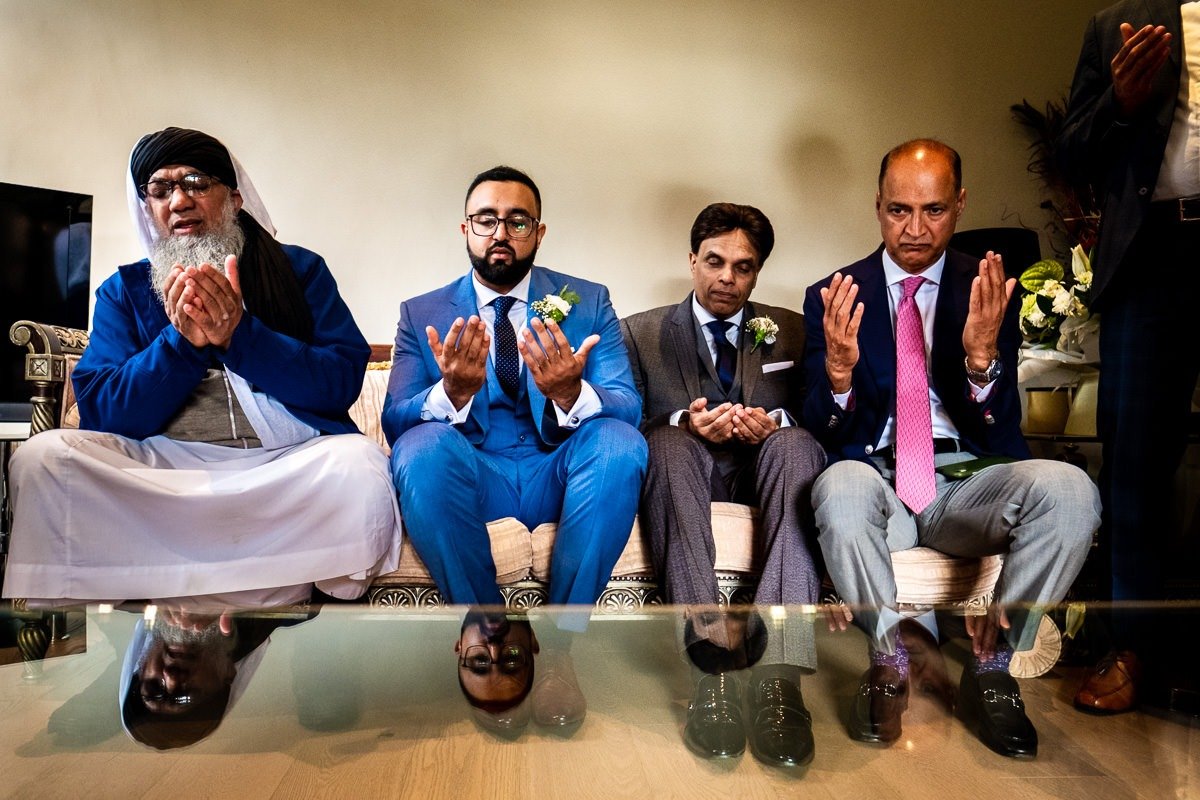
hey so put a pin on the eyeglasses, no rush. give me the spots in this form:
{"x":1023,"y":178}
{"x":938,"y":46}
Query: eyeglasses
{"x":519,"y":226}
{"x":155,"y":691}
{"x":478,"y":659}
{"x":193,"y":184}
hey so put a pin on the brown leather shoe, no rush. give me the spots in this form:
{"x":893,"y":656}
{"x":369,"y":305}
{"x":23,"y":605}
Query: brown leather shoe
{"x":926,"y":664}
{"x":556,"y":699}
{"x":878,"y":705}
{"x":1111,"y":686}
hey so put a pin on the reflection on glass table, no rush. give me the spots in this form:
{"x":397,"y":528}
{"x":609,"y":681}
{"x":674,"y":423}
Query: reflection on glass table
{"x":348,"y":701}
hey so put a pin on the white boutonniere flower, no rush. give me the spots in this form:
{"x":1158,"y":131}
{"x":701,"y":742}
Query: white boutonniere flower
{"x":556,"y":306}
{"x":764,"y":329}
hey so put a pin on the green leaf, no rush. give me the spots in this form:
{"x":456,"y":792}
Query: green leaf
{"x":1036,"y":276}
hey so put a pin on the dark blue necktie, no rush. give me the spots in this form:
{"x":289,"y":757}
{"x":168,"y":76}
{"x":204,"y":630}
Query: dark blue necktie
{"x":726,"y":353}
{"x":508,"y":360}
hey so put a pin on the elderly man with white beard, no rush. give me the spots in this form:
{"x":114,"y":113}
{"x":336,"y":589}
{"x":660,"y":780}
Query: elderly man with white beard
{"x":215,"y":454}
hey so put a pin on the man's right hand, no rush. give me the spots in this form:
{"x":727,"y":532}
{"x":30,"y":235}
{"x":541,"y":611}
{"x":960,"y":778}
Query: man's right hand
{"x":841,"y":321}
{"x":462,"y":358}
{"x":1136,"y":65}
{"x":714,"y":426}
{"x":175,"y":297}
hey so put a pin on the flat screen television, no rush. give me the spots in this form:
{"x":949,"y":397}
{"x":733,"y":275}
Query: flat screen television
{"x":45,"y":270}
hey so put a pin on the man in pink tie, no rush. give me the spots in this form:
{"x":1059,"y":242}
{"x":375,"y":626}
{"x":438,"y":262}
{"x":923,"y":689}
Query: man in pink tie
{"x":910,"y":365}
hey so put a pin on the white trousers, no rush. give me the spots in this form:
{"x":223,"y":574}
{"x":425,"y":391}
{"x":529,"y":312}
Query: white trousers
{"x":101,"y":517}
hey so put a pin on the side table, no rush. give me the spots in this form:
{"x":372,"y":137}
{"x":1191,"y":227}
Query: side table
{"x":11,"y":433}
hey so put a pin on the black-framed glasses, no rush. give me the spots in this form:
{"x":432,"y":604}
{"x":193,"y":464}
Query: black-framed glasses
{"x":194,"y":184}
{"x":519,"y":226}
{"x":155,"y":691}
{"x":478,"y":659}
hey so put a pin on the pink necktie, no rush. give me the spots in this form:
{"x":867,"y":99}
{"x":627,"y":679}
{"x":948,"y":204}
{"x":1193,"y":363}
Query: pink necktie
{"x":915,"y":485}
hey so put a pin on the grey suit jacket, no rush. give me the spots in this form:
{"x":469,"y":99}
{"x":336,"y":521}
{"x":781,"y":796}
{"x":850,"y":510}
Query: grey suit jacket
{"x":667,"y":361}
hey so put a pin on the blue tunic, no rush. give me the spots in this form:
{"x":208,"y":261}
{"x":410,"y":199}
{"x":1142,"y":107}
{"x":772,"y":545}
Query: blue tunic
{"x":138,"y":370}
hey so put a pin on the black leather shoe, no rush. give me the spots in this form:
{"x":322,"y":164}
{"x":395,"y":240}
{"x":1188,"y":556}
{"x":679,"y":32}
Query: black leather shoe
{"x":714,"y":726}
{"x":881,"y":700}
{"x":780,"y":726}
{"x":991,"y":706}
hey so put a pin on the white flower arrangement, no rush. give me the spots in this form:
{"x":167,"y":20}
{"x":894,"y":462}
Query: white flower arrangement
{"x":556,"y":306}
{"x":764,"y":329}
{"x":1055,"y":306}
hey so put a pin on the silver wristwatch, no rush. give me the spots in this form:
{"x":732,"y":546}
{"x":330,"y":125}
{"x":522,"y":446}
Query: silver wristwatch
{"x":994,"y":368}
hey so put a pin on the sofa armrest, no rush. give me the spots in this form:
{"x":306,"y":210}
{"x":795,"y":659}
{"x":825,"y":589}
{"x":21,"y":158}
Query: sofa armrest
{"x":53,"y":349}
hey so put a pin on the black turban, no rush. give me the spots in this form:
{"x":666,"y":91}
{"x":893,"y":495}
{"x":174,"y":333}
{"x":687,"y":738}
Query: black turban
{"x":180,"y":146}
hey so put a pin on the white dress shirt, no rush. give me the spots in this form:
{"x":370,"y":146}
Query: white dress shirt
{"x":437,"y":404}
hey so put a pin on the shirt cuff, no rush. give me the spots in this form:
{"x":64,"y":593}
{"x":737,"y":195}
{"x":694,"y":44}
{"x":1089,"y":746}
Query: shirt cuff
{"x":980,"y":394}
{"x":782,"y":418}
{"x":843,"y":399}
{"x":586,"y":405}
{"x":438,"y":406}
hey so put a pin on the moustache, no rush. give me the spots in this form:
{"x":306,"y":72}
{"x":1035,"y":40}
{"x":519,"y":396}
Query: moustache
{"x":501,"y":246}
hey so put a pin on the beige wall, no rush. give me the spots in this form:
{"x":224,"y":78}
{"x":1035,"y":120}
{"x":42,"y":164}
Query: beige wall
{"x":362,"y":122}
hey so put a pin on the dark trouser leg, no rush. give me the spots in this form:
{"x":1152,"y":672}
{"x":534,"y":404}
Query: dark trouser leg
{"x":788,"y":463}
{"x":1149,"y":364}
{"x":675,"y":513}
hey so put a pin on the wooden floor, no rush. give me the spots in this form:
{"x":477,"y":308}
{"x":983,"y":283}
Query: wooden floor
{"x":408,"y":732}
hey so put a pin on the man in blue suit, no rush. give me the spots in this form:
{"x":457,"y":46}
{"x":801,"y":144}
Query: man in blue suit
{"x":911,"y":366}
{"x":494,"y":411}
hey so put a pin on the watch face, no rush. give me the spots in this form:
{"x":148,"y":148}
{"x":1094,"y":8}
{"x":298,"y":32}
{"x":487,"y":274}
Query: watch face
{"x":994,"y":369}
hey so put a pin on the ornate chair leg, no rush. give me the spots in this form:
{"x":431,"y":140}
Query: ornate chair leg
{"x":33,"y":641}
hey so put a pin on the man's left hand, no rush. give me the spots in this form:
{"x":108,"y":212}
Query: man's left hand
{"x":213,"y":301}
{"x":985,"y":629}
{"x":990,"y":293}
{"x":752,"y":425}
{"x":556,"y":368}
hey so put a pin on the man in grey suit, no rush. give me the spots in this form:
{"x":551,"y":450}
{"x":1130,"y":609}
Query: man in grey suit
{"x":721,"y":383}
{"x":911,"y":365}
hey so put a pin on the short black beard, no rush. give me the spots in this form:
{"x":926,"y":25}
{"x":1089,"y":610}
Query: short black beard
{"x":501,"y":274}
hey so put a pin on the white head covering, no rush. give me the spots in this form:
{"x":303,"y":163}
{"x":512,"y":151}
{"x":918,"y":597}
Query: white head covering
{"x":139,"y":648}
{"x":139,"y":214}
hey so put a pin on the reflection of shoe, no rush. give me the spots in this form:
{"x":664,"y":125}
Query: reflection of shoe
{"x":716,"y":659}
{"x":556,"y":699}
{"x":926,"y":664}
{"x":714,"y":726}
{"x":780,"y":726}
{"x":880,"y":702}
{"x":992,"y":707}
{"x":508,"y":724}
{"x":1111,"y":686}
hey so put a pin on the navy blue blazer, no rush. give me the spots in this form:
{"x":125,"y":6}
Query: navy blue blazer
{"x":415,"y":370}
{"x":990,"y":428}
{"x":1121,"y":159}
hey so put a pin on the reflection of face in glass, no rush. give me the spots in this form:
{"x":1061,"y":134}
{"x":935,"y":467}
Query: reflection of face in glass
{"x":180,"y":685}
{"x":495,"y":660}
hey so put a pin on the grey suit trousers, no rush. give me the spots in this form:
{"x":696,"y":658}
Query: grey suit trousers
{"x":683,"y":478}
{"x":1039,"y":514}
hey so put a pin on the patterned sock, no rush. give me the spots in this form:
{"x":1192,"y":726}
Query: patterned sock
{"x":997,"y":663}
{"x":897,"y":660}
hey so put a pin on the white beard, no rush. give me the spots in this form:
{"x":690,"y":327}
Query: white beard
{"x":192,"y":251}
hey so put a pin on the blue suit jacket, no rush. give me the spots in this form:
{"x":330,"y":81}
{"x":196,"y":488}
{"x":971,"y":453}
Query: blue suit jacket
{"x":990,"y":428}
{"x":415,"y":370}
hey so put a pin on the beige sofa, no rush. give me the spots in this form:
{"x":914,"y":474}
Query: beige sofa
{"x":925,"y":578}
